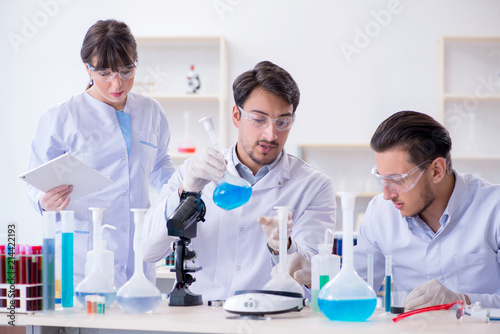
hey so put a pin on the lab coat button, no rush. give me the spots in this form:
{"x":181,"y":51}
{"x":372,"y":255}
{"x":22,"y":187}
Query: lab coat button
{"x":241,"y":229}
{"x":122,"y":267}
{"x":124,"y":157}
{"x":124,"y":229}
{"x":238,"y":268}
{"x":124,"y":193}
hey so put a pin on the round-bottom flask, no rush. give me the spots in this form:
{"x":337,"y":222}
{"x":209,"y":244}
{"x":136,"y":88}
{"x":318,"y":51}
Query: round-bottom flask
{"x":138,"y":295}
{"x":231,"y":192}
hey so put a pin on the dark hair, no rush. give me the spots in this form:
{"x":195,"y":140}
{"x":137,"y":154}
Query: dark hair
{"x":111,"y":42}
{"x":271,"y":78}
{"x":416,"y":133}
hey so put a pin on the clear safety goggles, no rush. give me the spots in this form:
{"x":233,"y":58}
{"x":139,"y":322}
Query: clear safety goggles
{"x":400,"y":183}
{"x":258,"y":120}
{"x":106,"y":75}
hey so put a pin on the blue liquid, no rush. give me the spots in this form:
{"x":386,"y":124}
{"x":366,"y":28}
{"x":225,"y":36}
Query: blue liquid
{"x":67,"y":270}
{"x":138,"y":304}
{"x":388,"y":293}
{"x":348,"y":309}
{"x":228,"y":196}
{"x":48,"y":275}
{"x":110,"y":297}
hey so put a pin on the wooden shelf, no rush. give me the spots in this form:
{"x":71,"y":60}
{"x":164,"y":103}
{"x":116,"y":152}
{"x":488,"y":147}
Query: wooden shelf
{"x":179,"y":39}
{"x":452,"y":96}
{"x":164,"y":62}
{"x":186,"y":97}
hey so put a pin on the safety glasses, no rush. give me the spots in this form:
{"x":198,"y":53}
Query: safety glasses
{"x":258,"y":120}
{"x":400,"y":183}
{"x":457,"y":305}
{"x":106,"y":75}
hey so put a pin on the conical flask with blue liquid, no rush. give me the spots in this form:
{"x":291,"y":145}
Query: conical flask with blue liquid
{"x":231,"y":191}
{"x":347,"y":297}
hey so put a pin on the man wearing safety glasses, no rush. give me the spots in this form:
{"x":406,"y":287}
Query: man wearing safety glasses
{"x":441,"y":227}
{"x":237,"y":248}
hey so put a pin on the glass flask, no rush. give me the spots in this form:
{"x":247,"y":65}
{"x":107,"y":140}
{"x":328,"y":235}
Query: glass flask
{"x":231,"y":191}
{"x":96,"y":283}
{"x":283,"y":281}
{"x":347,"y":297}
{"x":138,"y":295}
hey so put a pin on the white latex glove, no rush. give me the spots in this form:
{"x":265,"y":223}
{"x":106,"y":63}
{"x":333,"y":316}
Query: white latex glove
{"x":271,"y":228}
{"x":207,"y":166}
{"x":431,"y":293}
{"x":298,"y":267}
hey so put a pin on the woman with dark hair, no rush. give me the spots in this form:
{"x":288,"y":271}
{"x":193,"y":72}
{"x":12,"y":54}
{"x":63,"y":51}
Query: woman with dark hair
{"x":119,"y":133}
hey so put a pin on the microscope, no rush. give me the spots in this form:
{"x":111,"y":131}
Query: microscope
{"x":182,"y":223}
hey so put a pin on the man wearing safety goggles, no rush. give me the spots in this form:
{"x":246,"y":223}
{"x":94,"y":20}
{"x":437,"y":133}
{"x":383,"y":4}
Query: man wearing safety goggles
{"x":441,"y":227}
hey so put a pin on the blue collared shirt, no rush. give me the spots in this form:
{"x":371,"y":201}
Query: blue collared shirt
{"x":247,"y":174}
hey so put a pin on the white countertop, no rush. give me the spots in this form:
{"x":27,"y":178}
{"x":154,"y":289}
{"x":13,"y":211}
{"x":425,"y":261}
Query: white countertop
{"x":205,"y":319}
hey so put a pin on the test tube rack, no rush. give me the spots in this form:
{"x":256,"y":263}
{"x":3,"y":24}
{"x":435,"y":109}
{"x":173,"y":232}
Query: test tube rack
{"x":26,"y":298}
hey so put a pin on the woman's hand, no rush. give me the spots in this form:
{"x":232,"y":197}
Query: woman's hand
{"x":56,"y":199}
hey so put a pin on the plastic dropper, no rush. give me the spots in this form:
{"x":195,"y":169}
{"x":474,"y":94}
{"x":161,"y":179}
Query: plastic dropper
{"x":138,"y":295}
{"x":283,"y":281}
{"x":231,"y":191}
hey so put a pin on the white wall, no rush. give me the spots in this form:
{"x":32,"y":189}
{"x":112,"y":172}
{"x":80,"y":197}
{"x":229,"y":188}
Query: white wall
{"x":343,"y":98}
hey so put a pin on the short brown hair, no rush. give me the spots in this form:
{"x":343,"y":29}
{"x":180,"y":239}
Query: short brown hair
{"x":420,"y":135}
{"x":271,"y":78}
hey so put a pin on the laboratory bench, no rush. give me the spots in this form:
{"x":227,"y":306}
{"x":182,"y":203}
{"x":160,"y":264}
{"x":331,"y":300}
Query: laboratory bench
{"x":210,"y":320}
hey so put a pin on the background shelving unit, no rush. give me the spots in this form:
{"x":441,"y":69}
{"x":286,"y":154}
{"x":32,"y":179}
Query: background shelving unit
{"x":349,"y":168}
{"x":469,"y":102}
{"x":164,"y":62}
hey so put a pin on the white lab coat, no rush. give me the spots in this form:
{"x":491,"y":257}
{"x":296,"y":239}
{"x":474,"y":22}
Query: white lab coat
{"x":231,"y":245}
{"x":464,"y":256}
{"x":88,"y":129}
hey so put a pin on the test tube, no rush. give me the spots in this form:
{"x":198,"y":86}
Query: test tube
{"x":388,"y":282}
{"x":369,"y":270}
{"x":67,"y":222}
{"x":22,"y":270}
{"x":48,"y":251}
{"x":9,"y":265}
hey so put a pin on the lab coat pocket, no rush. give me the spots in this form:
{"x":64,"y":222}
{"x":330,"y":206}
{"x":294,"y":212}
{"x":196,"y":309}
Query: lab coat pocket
{"x":149,"y":149}
{"x":477,"y":272}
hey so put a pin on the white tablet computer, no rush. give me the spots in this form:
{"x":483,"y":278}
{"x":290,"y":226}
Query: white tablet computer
{"x":66,"y":169}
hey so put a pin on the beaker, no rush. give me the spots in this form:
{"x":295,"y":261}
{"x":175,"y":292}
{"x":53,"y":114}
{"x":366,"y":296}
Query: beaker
{"x":138,"y":295}
{"x":283,"y":281}
{"x":347,"y":297}
{"x":231,"y":191}
{"x":96,"y":283}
